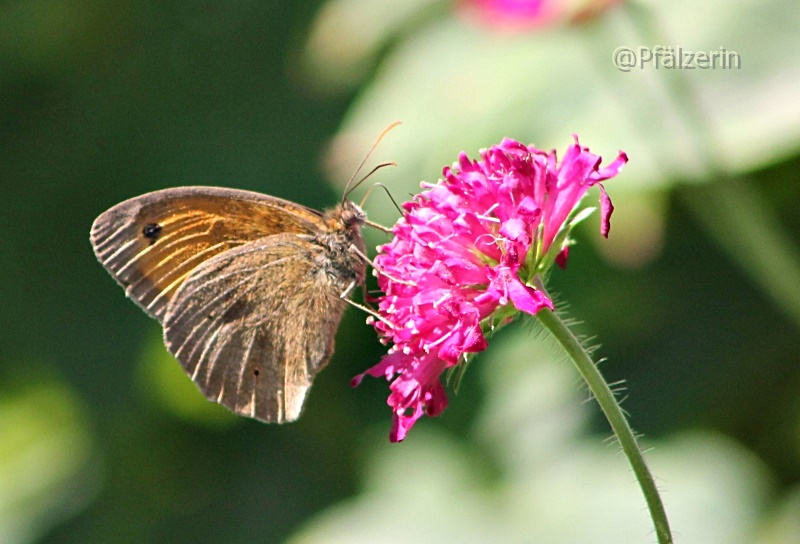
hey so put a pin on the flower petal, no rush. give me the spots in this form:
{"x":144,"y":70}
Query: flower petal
{"x":606,"y":209}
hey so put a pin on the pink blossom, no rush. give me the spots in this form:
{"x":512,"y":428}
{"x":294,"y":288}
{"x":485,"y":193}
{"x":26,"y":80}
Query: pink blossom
{"x":511,"y":14}
{"x":464,"y":258}
{"x":527,"y":15}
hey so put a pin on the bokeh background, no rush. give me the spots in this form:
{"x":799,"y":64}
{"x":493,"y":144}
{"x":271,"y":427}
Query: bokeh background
{"x":695,"y":298}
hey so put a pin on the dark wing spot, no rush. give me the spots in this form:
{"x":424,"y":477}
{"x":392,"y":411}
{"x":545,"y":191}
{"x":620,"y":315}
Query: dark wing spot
{"x":152,"y":231}
{"x":236,"y":311}
{"x":256,"y":372}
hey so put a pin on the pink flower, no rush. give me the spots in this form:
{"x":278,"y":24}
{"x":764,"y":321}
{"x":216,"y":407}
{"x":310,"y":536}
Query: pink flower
{"x":525,"y":15}
{"x":463,"y":260}
{"x":512,"y":15}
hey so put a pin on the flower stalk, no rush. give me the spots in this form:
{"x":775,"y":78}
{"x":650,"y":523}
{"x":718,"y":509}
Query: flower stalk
{"x":615,"y":416}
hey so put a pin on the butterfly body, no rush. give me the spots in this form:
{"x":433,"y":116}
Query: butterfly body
{"x":248,"y":287}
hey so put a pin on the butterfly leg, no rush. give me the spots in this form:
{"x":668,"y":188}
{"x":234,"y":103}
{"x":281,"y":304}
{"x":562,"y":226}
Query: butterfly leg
{"x":344,"y":296}
{"x":349,"y":290}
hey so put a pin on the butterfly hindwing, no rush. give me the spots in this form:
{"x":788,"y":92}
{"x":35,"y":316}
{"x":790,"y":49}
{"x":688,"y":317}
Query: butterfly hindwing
{"x":253,"y":326}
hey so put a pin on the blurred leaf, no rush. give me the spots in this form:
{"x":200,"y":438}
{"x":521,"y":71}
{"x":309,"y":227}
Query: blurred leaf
{"x":457,"y":87}
{"x":334,"y":64}
{"x":783,"y":525}
{"x":45,"y":447}
{"x":554,"y":485}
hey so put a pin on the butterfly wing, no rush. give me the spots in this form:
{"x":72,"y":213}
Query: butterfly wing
{"x":253,"y":326}
{"x":151,"y":243}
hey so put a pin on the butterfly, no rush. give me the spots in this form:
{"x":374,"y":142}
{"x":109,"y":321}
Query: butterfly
{"x":249,"y":288}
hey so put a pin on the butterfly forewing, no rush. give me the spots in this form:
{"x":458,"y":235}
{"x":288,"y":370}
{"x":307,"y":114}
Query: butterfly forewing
{"x":253,"y":326}
{"x":151,"y":243}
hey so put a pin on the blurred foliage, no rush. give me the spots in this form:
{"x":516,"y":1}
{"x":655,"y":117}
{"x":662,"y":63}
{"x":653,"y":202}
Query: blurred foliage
{"x":44,"y":457}
{"x":102,"y":439}
{"x":546,"y":486}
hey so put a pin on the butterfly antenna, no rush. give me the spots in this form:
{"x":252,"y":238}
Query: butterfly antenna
{"x":388,"y":193}
{"x":359,"y":182}
{"x":348,"y":189}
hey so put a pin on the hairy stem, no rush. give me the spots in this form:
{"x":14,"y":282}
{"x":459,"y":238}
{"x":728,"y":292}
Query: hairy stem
{"x":613,"y":412}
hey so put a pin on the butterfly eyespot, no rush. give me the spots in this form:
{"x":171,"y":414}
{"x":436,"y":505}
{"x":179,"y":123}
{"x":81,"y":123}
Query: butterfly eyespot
{"x":256,"y":372}
{"x":152,"y":231}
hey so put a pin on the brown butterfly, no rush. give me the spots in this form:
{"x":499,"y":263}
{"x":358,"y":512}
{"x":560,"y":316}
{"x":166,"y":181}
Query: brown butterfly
{"x":249,"y":288}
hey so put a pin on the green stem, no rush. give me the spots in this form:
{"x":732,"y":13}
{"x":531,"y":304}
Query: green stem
{"x":613,"y":412}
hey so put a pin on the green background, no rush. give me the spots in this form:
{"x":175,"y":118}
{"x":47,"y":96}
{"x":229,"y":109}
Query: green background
{"x":101,"y":437}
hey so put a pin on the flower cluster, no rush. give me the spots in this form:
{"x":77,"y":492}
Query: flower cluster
{"x":526,"y":15}
{"x":464,"y":258}
{"x":511,"y":14}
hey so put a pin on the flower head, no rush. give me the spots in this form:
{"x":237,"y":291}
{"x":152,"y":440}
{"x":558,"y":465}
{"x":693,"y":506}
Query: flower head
{"x":527,"y":15}
{"x":511,"y":14}
{"x":464,"y":258}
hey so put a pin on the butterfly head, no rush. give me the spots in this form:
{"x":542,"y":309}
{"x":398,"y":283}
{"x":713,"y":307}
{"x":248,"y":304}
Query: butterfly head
{"x":347,"y":216}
